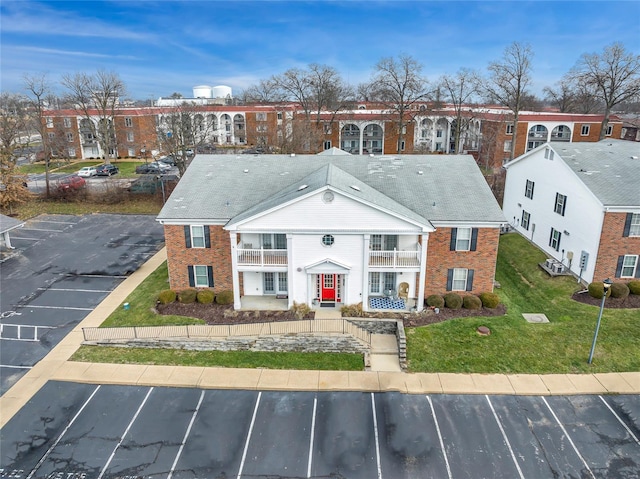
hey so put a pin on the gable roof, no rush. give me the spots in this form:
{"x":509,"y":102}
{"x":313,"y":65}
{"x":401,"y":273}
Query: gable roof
{"x":330,"y":176}
{"x":333,"y":151}
{"x":217,"y":188}
{"x":610,"y":169}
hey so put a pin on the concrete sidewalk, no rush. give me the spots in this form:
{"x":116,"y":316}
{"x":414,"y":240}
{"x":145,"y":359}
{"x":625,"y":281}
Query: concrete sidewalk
{"x":56,"y":366}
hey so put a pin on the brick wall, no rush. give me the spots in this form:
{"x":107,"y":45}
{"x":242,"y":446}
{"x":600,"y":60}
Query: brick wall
{"x":179,"y":257}
{"x":612,"y":245}
{"x":482,"y":261}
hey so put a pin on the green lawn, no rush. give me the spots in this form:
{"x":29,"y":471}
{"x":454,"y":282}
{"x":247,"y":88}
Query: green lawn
{"x":127,"y":167}
{"x":138,"y":205}
{"x":515,"y":346}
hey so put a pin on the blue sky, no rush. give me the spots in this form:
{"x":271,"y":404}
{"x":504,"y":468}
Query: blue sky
{"x":161,"y":47}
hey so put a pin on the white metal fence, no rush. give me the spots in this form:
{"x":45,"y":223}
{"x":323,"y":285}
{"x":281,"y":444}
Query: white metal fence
{"x":329,"y":326}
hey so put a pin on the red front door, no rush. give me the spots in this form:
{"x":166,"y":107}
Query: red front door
{"x":328,"y":287}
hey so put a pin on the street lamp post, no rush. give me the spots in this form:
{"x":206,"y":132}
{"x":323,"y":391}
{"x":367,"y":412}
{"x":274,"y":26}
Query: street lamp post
{"x":606,"y":285}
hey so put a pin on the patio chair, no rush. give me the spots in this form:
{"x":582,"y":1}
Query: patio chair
{"x":403,"y":291}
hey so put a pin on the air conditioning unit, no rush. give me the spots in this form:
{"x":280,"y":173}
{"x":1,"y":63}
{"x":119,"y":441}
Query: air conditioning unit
{"x":557,"y":268}
{"x":549,"y":262}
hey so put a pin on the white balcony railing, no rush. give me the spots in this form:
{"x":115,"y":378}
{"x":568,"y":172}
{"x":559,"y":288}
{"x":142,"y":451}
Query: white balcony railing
{"x":262,"y":257}
{"x":395,"y":258}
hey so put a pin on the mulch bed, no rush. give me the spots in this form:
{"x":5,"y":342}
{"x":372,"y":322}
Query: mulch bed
{"x":631,"y":301}
{"x":225,"y":314}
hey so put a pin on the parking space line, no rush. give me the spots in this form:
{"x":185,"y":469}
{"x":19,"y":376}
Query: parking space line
{"x":375,"y":433}
{"x":11,"y":366}
{"x":124,"y":434}
{"x":96,"y":275}
{"x":568,"y":437}
{"x":141,"y":245}
{"x":313,"y":432}
{"x":15,"y":238}
{"x":620,"y":420}
{"x":444,"y":453}
{"x":246,"y":444}
{"x":59,"y":438}
{"x":186,"y":435}
{"x":43,"y":229}
{"x":73,"y":308}
{"x":68,"y":290}
{"x":56,"y":222}
{"x":506,"y":439}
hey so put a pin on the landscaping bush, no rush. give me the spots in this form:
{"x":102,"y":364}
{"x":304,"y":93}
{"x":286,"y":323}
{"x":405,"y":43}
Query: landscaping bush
{"x":596,"y":290}
{"x":167,"y":296}
{"x":300,"y":309}
{"x":435,"y":301}
{"x":489,"y":300}
{"x":471,"y":302}
{"x":205,"y":296}
{"x":224,"y":297}
{"x":634,"y":287}
{"x":619,"y":290}
{"x":187,"y":296}
{"x":453,"y":301}
{"x":352,"y":310}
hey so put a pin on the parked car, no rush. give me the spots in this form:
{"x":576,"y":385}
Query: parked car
{"x":71,"y":183}
{"x":168,"y":160}
{"x":87,"y":171}
{"x":160,"y":165}
{"x":154,"y":167}
{"x":107,"y":170}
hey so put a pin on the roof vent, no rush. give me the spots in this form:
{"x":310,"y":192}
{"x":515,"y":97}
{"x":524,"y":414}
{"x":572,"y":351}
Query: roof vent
{"x":420,"y":172}
{"x":292,"y":155}
{"x":354,"y":187}
{"x":246,"y":171}
{"x":302,"y":187}
{"x":633,"y":157}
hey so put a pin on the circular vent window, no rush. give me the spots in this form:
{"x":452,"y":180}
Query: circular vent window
{"x":327,"y":197}
{"x":327,"y":240}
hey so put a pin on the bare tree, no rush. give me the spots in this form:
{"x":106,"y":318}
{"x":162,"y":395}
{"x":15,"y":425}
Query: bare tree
{"x":182,"y":129}
{"x":398,"y":84}
{"x":461,"y":90}
{"x":39,"y":92}
{"x":14,"y":133}
{"x":508,"y":82}
{"x":613,"y":75}
{"x":265,"y":91}
{"x":97,"y":96}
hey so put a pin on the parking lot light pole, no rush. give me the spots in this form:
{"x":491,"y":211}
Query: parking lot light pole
{"x":606,"y":285}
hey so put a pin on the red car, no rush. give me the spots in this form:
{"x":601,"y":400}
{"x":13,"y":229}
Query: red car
{"x":71,"y":183}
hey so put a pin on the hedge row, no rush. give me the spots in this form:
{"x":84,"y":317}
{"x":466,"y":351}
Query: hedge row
{"x":186,"y":296}
{"x":617,"y":290}
{"x":470,"y":301}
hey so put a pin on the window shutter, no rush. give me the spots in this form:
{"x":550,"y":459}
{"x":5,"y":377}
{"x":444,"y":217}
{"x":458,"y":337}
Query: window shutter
{"x":449,"y":279}
{"x":638,"y":269}
{"x":192,"y":277}
{"x":187,"y":236}
{"x":210,"y":275}
{"x":627,"y":224}
{"x":469,"y":280}
{"x":551,"y":237}
{"x":564,"y":205}
{"x":619,"y":267}
{"x":474,"y":239}
{"x":454,"y":235}
{"x":533,"y":185}
{"x":207,"y":237}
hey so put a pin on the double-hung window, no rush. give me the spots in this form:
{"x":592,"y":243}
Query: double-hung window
{"x":561,"y":204}
{"x":628,"y":266}
{"x":463,"y":239}
{"x":526,"y":219}
{"x":632,"y":225}
{"x":197,"y":236}
{"x":528,"y":189}
{"x":554,"y":239}
{"x":584,"y":131}
{"x":200,"y":276}
{"x":460,"y":279}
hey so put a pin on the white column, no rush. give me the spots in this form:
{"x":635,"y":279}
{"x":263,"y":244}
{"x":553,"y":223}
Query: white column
{"x":290,"y":270}
{"x":7,"y":240}
{"x":423,"y":271}
{"x":233,"y":237}
{"x":365,"y":273}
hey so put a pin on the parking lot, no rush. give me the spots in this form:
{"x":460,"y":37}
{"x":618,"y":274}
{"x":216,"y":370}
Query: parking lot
{"x":88,"y":431}
{"x":62,"y":267}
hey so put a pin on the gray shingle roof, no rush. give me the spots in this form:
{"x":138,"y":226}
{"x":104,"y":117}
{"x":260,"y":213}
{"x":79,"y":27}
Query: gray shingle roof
{"x":426,"y":187}
{"x":609,"y":168}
